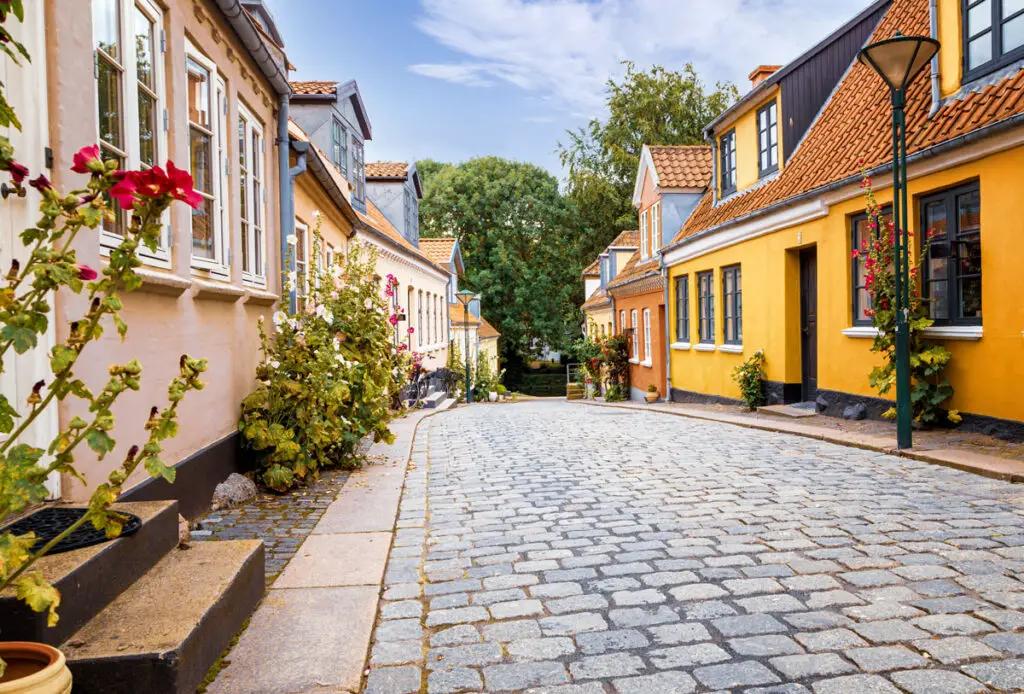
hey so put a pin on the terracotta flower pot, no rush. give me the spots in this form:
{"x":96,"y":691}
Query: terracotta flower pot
{"x":652,"y":397}
{"x":33,"y":668}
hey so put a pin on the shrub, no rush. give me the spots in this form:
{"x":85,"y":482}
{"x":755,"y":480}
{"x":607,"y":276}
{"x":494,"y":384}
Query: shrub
{"x":749,"y":376}
{"x":329,"y":374}
{"x":502,"y":390}
{"x":615,"y":393}
{"x":652,"y":388}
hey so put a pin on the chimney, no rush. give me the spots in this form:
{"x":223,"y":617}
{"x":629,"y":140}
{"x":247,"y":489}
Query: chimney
{"x":761,"y":73}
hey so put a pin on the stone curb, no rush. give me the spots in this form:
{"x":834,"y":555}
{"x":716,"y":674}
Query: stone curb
{"x":996,"y":468}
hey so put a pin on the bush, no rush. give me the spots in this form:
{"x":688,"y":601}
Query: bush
{"x":616,"y":393}
{"x":749,"y":376}
{"x":329,"y":375}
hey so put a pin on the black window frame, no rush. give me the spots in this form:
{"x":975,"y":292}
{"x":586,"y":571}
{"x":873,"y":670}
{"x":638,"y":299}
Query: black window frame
{"x":727,"y":162}
{"x":772,"y":129}
{"x":732,"y":305}
{"x":706,"y":300}
{"x":856,"y":281}
{"x":339,"y":147}
{"x":950,"y":197}
{"x":999,"y":59}
{"x":683,"y":309}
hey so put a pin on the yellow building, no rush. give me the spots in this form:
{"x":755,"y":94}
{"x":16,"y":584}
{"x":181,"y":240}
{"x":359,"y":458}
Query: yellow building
{"x":765,"y":262}
{"x":488,"y":340}
{"x":599,"y":308}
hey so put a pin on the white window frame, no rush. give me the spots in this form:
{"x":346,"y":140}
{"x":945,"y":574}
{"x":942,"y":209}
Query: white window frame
{"x":129,"y":96}
{"x":655,"y":228}
{"x":329,"y":255}
{"x":622,"y":321}
{"x":302,"y":278}
{"x":648,"y":358}
{"x":643,"y":235}
{"x":635,"y":346}
{"x":218,"y":265}
{"x":253,"y":127}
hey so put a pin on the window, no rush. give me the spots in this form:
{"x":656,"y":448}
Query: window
{"x":409,"y":216}
{"x":768,"y":139}
{"x":129,"y":100}
{"x":329,"y":255}
{"x":647,"y":336}
{"x":860,"y":236}
{"x":732,"y":305}
{"x":206,"y":106}
{"x":419,"y":319}
{"x":301,"y":263}
{"x":706,"y":306}
{"x":358,"y":170}
{"x":252,"y":199}
{"x":622,"y":321}
{"x":437,"y":321}
{"x":993,"y":35}
{"x":727,"y":162}
{"x":952,"y":277}
{"x":408,"y":316}
{"x":655,"y":228}
{"x":683,"y":309}
{"x":635,"y":338}
{"x":339,"y":146}
{"x":643,"y":234}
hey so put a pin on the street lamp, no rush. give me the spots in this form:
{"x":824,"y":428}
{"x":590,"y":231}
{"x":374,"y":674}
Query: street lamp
{"x":898,"y":61}
{"x":466,"y":297}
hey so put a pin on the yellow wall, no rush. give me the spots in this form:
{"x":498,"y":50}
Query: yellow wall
{"x":596,"y":319}
{"x":951,"y":53}
{"x":747,"y":145}
{"x":987,"y":374}
{"x":489,"y":351}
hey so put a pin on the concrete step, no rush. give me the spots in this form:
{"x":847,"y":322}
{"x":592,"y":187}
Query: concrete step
{"x":162,"y":634}
{"x":787,"y":411}
{"x":434,"y":399}
{"x":90,"y":578}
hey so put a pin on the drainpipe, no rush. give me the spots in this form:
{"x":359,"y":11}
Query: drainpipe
{"x":933,"y":10}
{"x":285,"y":192}
{"x":288,"y":195}
{"x":667,"y":334}
{"x":714,"y":165}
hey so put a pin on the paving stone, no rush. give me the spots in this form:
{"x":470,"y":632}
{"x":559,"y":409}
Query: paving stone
{"x":771,"y":603}
{"x":597,"y":642}
{"x":515,"y":608}
{"x":883,"y":658}
{"x":817,"y":665}
{"x":604,"y":667}
{"x":403,"y":609}
{"x":556,"y":590}
{"x":399,"y":630}
{"x":821,"y":619}
{"x":855,"y":684}
{"x":1008,"y":643}
{"x":730,"y":675}
{"x":687,"y":656}
{"x":753,"y":586}
{"x":458,"y":615}
{"x":749,"y":625}
{"x":660,"y":579}
{"x":511,"y":631}
{"x":521,"y":676}
{"x":455,"y":680}
{"x":830,"y":640}
{"x":490,"y":597}
{"x":626,"y":598}
{"x":935,"y":681}
{"x":763,"y":646}
{"x":394,"y":680}
{"x":541,"y":649}
{"x":672,"y":634}
{"x":1007,"y":674}
{"x":707,"y":609}
{"x":473,"y":655}
{"x":576,"y":603}
{"x":889,"y":631}
{"x":660,"y":683}
{"x":697,"y":591}
{"x":832,"y":598}
{"x":569,"y":624}
{"x":455,"y":636}
{"x":952,"y":625}
{"x":959,"y":603}
{"x":396,"y":653}
{"x":510,"y":581}
{"x":813,"y":582}
{"x":779,"y":689}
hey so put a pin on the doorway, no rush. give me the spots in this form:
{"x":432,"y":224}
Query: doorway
{"x":809,"y":322}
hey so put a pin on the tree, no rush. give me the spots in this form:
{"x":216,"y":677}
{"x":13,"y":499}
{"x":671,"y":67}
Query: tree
{"x":516,"y":231}
{"x":657,"y":107}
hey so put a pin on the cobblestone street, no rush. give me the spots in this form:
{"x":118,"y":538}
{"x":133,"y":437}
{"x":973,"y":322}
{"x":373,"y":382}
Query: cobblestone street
{"x":555,"y":547}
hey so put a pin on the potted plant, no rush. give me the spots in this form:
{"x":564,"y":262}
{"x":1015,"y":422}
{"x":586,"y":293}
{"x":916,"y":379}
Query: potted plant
{"x":33,"y":668}
{"x":652,"y":393}
{"x":501,"y":392}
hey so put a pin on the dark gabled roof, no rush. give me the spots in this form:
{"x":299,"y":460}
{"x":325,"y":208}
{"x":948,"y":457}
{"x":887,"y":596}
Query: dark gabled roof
{"x":322,"y":90}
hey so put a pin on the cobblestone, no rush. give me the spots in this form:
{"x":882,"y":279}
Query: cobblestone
{"x":566,"y":549}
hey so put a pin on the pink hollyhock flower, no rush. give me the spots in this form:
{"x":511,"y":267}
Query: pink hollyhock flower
{"x":411,"y":330}
{"x":41,"y":183}
{"x":86,"y":158}
{"x":18,"y":172}
{"x":86,"y":273}
{"x":124,"y":193}
{"x":151,"y":183}
{"x":393,"y":319}
{"x":182,"y":187}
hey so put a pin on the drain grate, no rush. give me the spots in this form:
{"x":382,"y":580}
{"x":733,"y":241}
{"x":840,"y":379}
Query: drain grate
{"x":48,"y":523}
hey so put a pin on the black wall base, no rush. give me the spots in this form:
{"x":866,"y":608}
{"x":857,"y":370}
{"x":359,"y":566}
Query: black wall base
{"x":779,"y":393}
{"x":197,"y":476}
{"x":693,"y":398}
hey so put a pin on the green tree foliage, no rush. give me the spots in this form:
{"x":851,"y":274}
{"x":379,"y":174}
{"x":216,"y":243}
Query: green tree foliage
{"x":518,"y":235}
{"x":656,"y":107}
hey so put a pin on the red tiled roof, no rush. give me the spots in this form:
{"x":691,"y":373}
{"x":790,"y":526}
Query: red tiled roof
{"x":439,"y":250}
{"x":598,"y":299}
{"x":856,"y":124}
{"x":593,"y":270}
{"x":636,"y":269}
{"x":627,"y":239}
{"x":487,"y":331}
{"x":387,"y":169}
{"x":682,"y":167}
{"x":458,"y":316}
{"x":375,"y":218}
{"x":315,"y":88}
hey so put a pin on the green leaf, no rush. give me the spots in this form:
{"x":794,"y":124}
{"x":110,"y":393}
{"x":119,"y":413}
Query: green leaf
{"x":157,"y":468}
{"x":39,"y":595}
{"x":61,"y":357}
{"x":21,"y":338}
{"x":100,"y":442}
{"x":7,"y":415}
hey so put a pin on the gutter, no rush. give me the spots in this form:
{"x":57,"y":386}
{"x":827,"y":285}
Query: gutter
{"x":373,"y":231}
{"x":288,"y":223}
{"x":255,"y":45}
{"x":319,"y":169}
{"x":941,"y":148}
{"x":933,"y":17}
{"x":667,"y":334}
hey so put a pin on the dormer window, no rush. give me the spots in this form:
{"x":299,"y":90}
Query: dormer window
{"x":727,"y":162}
{"x":993,"y":35}
{"x":768,"y":139}
{"x":358,"y":171}
{"x":655,"y":228}
{"x":644,"y":234}
{"x":339,"y":146}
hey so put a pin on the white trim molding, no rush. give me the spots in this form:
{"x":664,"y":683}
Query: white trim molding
{"x":635,"y":362}
{"x":681,"y":346}
{"x":704,"y":347}
{"x":731,"y":349}
{"x":954,"y":332}
{"x":866,"y":332}
{"x":648,"y":363}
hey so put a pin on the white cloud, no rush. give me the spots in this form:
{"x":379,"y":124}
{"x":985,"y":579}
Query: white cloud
{"x":566,"y":50}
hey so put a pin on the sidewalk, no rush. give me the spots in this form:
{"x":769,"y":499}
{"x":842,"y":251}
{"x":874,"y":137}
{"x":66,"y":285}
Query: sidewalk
{"x":995,"y":467}
{"x":312,"y":631}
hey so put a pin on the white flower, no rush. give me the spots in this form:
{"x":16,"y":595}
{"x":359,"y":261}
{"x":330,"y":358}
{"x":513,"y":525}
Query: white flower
{"x":293,"y":324}
{"x":368,"y":304}
{"x":279,"y":318}
{"x":334,"y":296}
{"x":292,"y":239}
{"x":335,"y":271}
{"x":317,"y":215}
{"x":293,"y":277}
{"x":275,"y":364}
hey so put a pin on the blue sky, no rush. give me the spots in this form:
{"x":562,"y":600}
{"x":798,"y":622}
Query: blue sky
{"x":454,"y":79}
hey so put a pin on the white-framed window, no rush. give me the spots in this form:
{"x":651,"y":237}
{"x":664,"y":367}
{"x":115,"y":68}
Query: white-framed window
{"x":655,"y":228}
{"x":339,"y":146}
{"x":253,"y":197}
{"x":358,"y":171}
{"x":207,"y":111}
{"x":329,"y":255}
{"x":647,"y":335}
{"x":419,"y":319}
{"x":643,"y":234}
{"x":428,"y":320}
{"x":635,"y":342}
{"x":128,"y":42}
{"x":622,"y":321}
{"x":301,"y":252}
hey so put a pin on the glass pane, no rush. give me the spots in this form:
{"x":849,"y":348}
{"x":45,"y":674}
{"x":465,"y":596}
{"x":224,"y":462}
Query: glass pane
{"x":979,"y":51}
{"x":939,"y":295}
{"x":243,"y":198}
{"x":242,"y":159}
{"x":935,"y":220}
{"x":863,"y":304}
{"x":938,"y":263}
{"x":1012,"y":7}
{"x":202,"y":231}
{"x":199,"y":95}
{"x":257,"y":154}
{"x":970,"y":298}
{"x":258,"y":251}
{"x":201,"y":161}
{"x":105,"y":27}
{"x":979,"y":17}
{"x":969,"y":257}
{"x":1013,"y":34}
{"x":108,"y":85}
{"x":147,"y":129}
{"x":144,"y":49}
{"x":774,"y":154}
{"x":245,"y":248}
{"x":257,"y":204}
{"x":116,"y":226}
{"x":969,"y":212}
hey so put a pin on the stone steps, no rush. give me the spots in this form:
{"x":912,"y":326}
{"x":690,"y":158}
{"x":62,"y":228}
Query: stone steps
{"x":89,"y":579}
{"x":163,"y":633}
{"x":434,"y":399}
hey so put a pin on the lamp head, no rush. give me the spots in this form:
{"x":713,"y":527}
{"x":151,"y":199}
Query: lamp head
{"x":900,"y":59}
{"x":465,"y":297}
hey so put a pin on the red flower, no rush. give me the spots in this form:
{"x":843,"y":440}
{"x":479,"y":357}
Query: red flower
{"x":124,"y":192}
{"x":87,"y":159}
{"x":18,"y":172}
{"x":86,"y":273}
{"x":41,"y":183}
{"x":411,"y":330}
{"x":856,"y":254}
{"x":182,"y":187}
{"x":151,"y":183}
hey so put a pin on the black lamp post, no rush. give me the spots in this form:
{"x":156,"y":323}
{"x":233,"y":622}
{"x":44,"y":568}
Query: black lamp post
{"x":898,"y":61}
{"x":466,"y":297}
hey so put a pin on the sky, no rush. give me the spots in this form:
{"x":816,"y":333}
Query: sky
{"x":456,"y":79}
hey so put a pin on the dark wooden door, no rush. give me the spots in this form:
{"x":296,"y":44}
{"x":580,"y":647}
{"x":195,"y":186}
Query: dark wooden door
{"x":809,"y":322}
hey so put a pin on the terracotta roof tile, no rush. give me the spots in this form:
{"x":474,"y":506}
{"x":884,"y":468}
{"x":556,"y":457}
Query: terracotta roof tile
{"x":598,"y":299}
{"x":593,"y":270}
{"x":315,"y":88}
{"x":487,"y":331}
{"x":856,"y":124}
{"x":682,"y":167}
{"x":627,"y":239}
{"x":458,"y":316}
{"x":375,"y":218}
{"x":439,"y":250}
{"x":635,"y":269}
{"x":387,"y":169}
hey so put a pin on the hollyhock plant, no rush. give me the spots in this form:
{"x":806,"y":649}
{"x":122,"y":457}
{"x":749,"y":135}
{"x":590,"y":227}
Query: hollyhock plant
{"x":87,"y":161}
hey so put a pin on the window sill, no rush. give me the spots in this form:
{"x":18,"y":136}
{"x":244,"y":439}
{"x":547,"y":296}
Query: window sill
{"x":649,"y":364}
{"x":634,"y":361}
{"x":731,"y":349}
{"x":863,"y":332}
{"x":954,"y":332}
{"x":216,"y":291}
{"x":259,"y":297}
{"x":705,"y":347}
{"x":681,"y":346}
{"x":165,"y":283}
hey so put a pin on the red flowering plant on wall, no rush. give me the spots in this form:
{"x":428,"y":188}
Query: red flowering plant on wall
{"x":929,"y":388}
{"x":47,"y":264}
